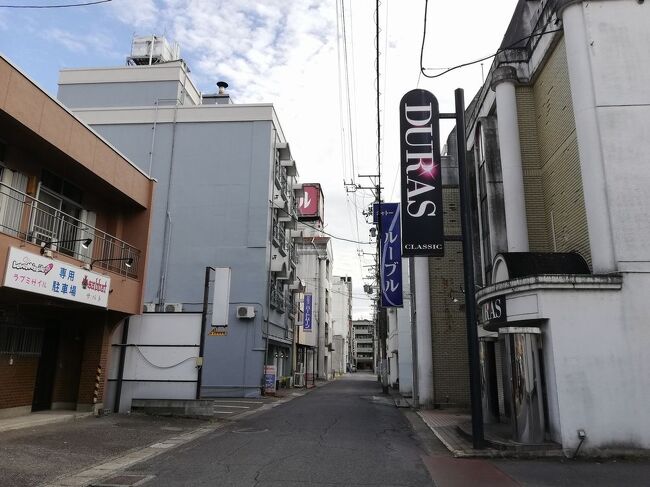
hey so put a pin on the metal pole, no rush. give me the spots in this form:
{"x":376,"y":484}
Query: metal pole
{"x":120,"y":370}
{"x":468,"y":265}
{"x":414,"y":342}
{"x":204,"y":322}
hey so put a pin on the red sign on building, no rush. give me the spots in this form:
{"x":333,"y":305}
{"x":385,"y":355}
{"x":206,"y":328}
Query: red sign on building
{"x":310,"y":201}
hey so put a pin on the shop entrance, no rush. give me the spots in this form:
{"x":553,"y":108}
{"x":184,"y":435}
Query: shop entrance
{"x":44,"y":385}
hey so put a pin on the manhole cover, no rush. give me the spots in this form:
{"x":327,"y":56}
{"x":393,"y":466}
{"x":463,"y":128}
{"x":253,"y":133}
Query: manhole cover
{"x":124,"y":481}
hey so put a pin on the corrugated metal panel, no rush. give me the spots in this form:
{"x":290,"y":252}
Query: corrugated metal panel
{"x":558,"y":157}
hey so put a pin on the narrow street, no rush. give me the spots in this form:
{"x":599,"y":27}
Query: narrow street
{"x":344,"y":433}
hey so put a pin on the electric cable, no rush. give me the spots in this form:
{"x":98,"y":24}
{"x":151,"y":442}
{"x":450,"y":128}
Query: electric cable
{"x":64,"y":5}
{"x":453,"y":68}
{"x":161,"y":366}
{"x":323,"y":231}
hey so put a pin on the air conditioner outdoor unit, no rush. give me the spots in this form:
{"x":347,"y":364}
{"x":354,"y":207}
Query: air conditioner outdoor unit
{"x":246,"y":312}
{"x":173,"y":307}
{"x":149,"y":308}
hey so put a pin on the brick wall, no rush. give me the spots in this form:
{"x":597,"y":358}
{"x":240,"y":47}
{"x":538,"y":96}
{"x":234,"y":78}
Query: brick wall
{"x":96,"y":345}
{"x":17,"y":381}
{"x":448,"y":329}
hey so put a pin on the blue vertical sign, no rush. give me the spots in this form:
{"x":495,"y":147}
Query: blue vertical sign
{"x":306,"y":321}
{"x":391,"y":256}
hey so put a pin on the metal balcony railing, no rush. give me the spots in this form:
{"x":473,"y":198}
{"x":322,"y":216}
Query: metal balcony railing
{"x":281,"y":180}
{"x":278,"y":300}
{"x":33,"y":221}
{"x":280,"y":238}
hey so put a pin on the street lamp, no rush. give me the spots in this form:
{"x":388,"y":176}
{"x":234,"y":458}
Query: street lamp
{"x":85,"y":243}
{"x":128,"y":261}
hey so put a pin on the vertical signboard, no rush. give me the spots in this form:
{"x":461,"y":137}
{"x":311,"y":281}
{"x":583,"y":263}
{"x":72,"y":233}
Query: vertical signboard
{"x":221,"y":296}
{"x":269,"y":378}
{"x":422,"y":224}
{"x":310,"y":201}
{"x":390,"y":247}
{"x":307,"y":321}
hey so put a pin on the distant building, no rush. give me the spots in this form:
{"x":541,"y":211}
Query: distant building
{"x":225,"y":200}
{"x":74,"y":229}
{"x":341,"y":296}
{"x":314,"y":339}
{"x":364,"y":344}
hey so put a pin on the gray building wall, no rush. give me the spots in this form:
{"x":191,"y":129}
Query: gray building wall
{"x":216,"y":212}
{"x":125,"y":94}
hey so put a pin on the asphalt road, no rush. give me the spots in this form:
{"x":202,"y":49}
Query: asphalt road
{"x":345,"y":433}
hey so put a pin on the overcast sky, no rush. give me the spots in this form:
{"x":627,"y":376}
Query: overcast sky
{"x":289,"y":53}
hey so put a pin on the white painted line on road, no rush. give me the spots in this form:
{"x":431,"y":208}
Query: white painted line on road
{"x":228,"y":406}
{"x":243,"y":402}
{"x":223,"y":412}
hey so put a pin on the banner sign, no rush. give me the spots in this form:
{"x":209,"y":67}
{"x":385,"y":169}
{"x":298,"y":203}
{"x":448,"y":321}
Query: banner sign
{"x":41,"y":275}
{"x":420,"y":167}
{"x":306,"y":321}
{"x":390,"y":248}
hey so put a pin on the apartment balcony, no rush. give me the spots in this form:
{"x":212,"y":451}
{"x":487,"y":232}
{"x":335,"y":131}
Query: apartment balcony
{"x":280,"y":239}
{"x":30,"y":220}
{"x":278,"y":300}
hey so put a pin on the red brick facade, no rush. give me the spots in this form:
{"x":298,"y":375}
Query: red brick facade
{"x":17,"y":381}
{"x":95,"y":353}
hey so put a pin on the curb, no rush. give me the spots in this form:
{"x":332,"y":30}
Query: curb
{"x":44,"y":421}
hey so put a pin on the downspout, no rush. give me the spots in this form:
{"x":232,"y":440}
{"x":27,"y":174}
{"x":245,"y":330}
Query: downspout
{"x":268,"y":282}
{"x":164,"y":258}
{"x":120,"y":368}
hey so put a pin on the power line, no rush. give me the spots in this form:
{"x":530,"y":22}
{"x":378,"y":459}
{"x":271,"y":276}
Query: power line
{"x":323,"y":231}
{"x":64,"y":5}
{"x":453,"y":68}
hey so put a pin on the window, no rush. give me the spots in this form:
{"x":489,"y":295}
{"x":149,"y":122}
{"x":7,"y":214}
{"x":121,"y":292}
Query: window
{"x":57,"y":213}
{"x":484,"y":222}
{"x":15,"y":340}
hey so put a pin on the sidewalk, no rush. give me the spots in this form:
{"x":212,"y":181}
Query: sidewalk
{"x":453,"y":429}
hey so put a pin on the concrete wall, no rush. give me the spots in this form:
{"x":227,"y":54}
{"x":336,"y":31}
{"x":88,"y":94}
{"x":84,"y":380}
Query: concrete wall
{"x":166,"y":370}
{"x":404,"y":340}
{"x":144,"y":93}
{"x":620,"y":68}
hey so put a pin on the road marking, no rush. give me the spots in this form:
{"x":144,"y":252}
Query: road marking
{"x":243,"y":402}
{"x":223,"y":412}
{"x":226,"y":406}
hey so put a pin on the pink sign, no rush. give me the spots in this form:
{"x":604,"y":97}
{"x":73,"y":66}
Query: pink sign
{"x":308,"y":204}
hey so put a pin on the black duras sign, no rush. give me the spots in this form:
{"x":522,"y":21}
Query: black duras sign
{"x":422,"y":223}
{"x":493,"y":311}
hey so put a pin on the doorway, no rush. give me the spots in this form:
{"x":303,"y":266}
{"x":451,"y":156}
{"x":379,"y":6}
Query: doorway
{"x":44,"y":385}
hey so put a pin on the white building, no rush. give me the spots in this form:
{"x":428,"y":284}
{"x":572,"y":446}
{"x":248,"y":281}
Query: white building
{"x":341,"y":314}
{"x":313,"y":342}
{"x":558,"y":132}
